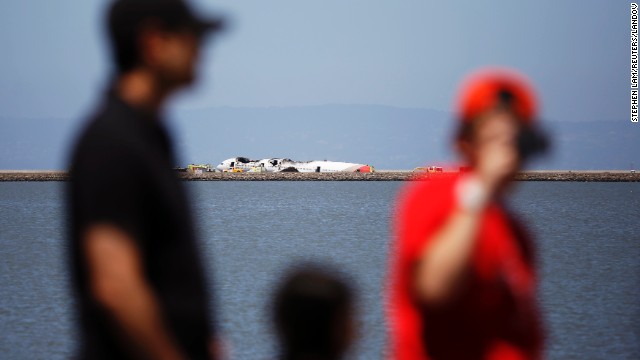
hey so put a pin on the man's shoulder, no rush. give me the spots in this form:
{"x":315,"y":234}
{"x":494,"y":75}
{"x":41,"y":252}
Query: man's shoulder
{"x":114,"y":125}
{"x":105,"y":141}
{"x":98,"y":141}
{"x":109,"y":124}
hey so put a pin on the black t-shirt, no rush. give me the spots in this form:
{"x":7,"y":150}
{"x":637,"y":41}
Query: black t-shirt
{"x":121,"y":175}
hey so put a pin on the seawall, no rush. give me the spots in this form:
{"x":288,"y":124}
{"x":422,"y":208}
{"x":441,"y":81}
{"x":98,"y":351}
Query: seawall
{"x":577,"y":176}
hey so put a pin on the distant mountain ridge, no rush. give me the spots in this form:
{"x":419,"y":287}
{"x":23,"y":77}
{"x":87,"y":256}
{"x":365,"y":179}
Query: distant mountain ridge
{"x":383,"y":136}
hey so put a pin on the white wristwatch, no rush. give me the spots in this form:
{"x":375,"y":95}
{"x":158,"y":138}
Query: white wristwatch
{"x":471,"y":194}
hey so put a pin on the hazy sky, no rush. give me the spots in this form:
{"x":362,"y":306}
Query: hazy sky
{"x":406,"y":53}
{"x":54,"y":65}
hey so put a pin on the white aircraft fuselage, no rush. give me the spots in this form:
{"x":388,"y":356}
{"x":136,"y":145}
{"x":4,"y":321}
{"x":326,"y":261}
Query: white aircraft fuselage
{"x":280,"y":164}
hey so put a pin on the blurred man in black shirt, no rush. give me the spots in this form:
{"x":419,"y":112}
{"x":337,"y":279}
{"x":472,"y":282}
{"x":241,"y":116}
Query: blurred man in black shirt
{"x":137,"y":274}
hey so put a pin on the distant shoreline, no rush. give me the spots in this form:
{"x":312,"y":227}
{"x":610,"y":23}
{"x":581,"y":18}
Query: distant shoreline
{"x":395,"y":175}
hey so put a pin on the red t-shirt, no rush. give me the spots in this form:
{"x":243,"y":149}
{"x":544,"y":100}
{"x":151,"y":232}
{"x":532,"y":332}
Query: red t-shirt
{"x":495,"y":316}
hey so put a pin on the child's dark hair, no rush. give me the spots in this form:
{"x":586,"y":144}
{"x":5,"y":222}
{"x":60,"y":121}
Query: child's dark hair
{"x":312,"y":313}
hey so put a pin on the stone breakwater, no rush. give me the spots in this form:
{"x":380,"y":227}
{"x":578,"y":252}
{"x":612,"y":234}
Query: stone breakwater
{"x":578,"y":176}
{"x":587,"y":176}
{"x":25,"y":175}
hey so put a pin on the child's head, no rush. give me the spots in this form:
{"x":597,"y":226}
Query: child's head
{"x":313,"y":314}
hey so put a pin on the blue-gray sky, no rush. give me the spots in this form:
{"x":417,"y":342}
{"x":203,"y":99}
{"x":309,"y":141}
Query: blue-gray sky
{"x":280,"y":53}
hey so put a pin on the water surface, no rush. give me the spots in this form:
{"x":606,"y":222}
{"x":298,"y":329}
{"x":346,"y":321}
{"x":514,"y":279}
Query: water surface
{"x":588,"y":240}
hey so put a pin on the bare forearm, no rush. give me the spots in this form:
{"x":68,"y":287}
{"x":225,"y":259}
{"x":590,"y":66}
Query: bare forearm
{"x":445,"y":261}
{"x":119,"y":285}
{"x":443,"y":264}
{"x":139,"y":315}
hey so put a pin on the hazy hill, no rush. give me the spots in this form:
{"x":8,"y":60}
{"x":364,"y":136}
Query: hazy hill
{"x":385,"y":137}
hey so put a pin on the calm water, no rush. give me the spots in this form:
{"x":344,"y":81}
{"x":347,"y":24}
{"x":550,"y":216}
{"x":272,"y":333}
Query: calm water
{"x":587,"y":234}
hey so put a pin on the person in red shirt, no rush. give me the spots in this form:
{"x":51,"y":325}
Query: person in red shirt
{"x":462,"y":280}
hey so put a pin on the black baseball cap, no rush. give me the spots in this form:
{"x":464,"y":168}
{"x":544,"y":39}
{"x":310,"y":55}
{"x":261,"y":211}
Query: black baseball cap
{"x":129,"y":15}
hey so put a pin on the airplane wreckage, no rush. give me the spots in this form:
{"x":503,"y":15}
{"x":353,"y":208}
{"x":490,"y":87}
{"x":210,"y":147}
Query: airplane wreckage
{"x":243,"y":164}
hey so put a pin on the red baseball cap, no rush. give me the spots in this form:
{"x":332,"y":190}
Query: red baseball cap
{"x":492,"y":87}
